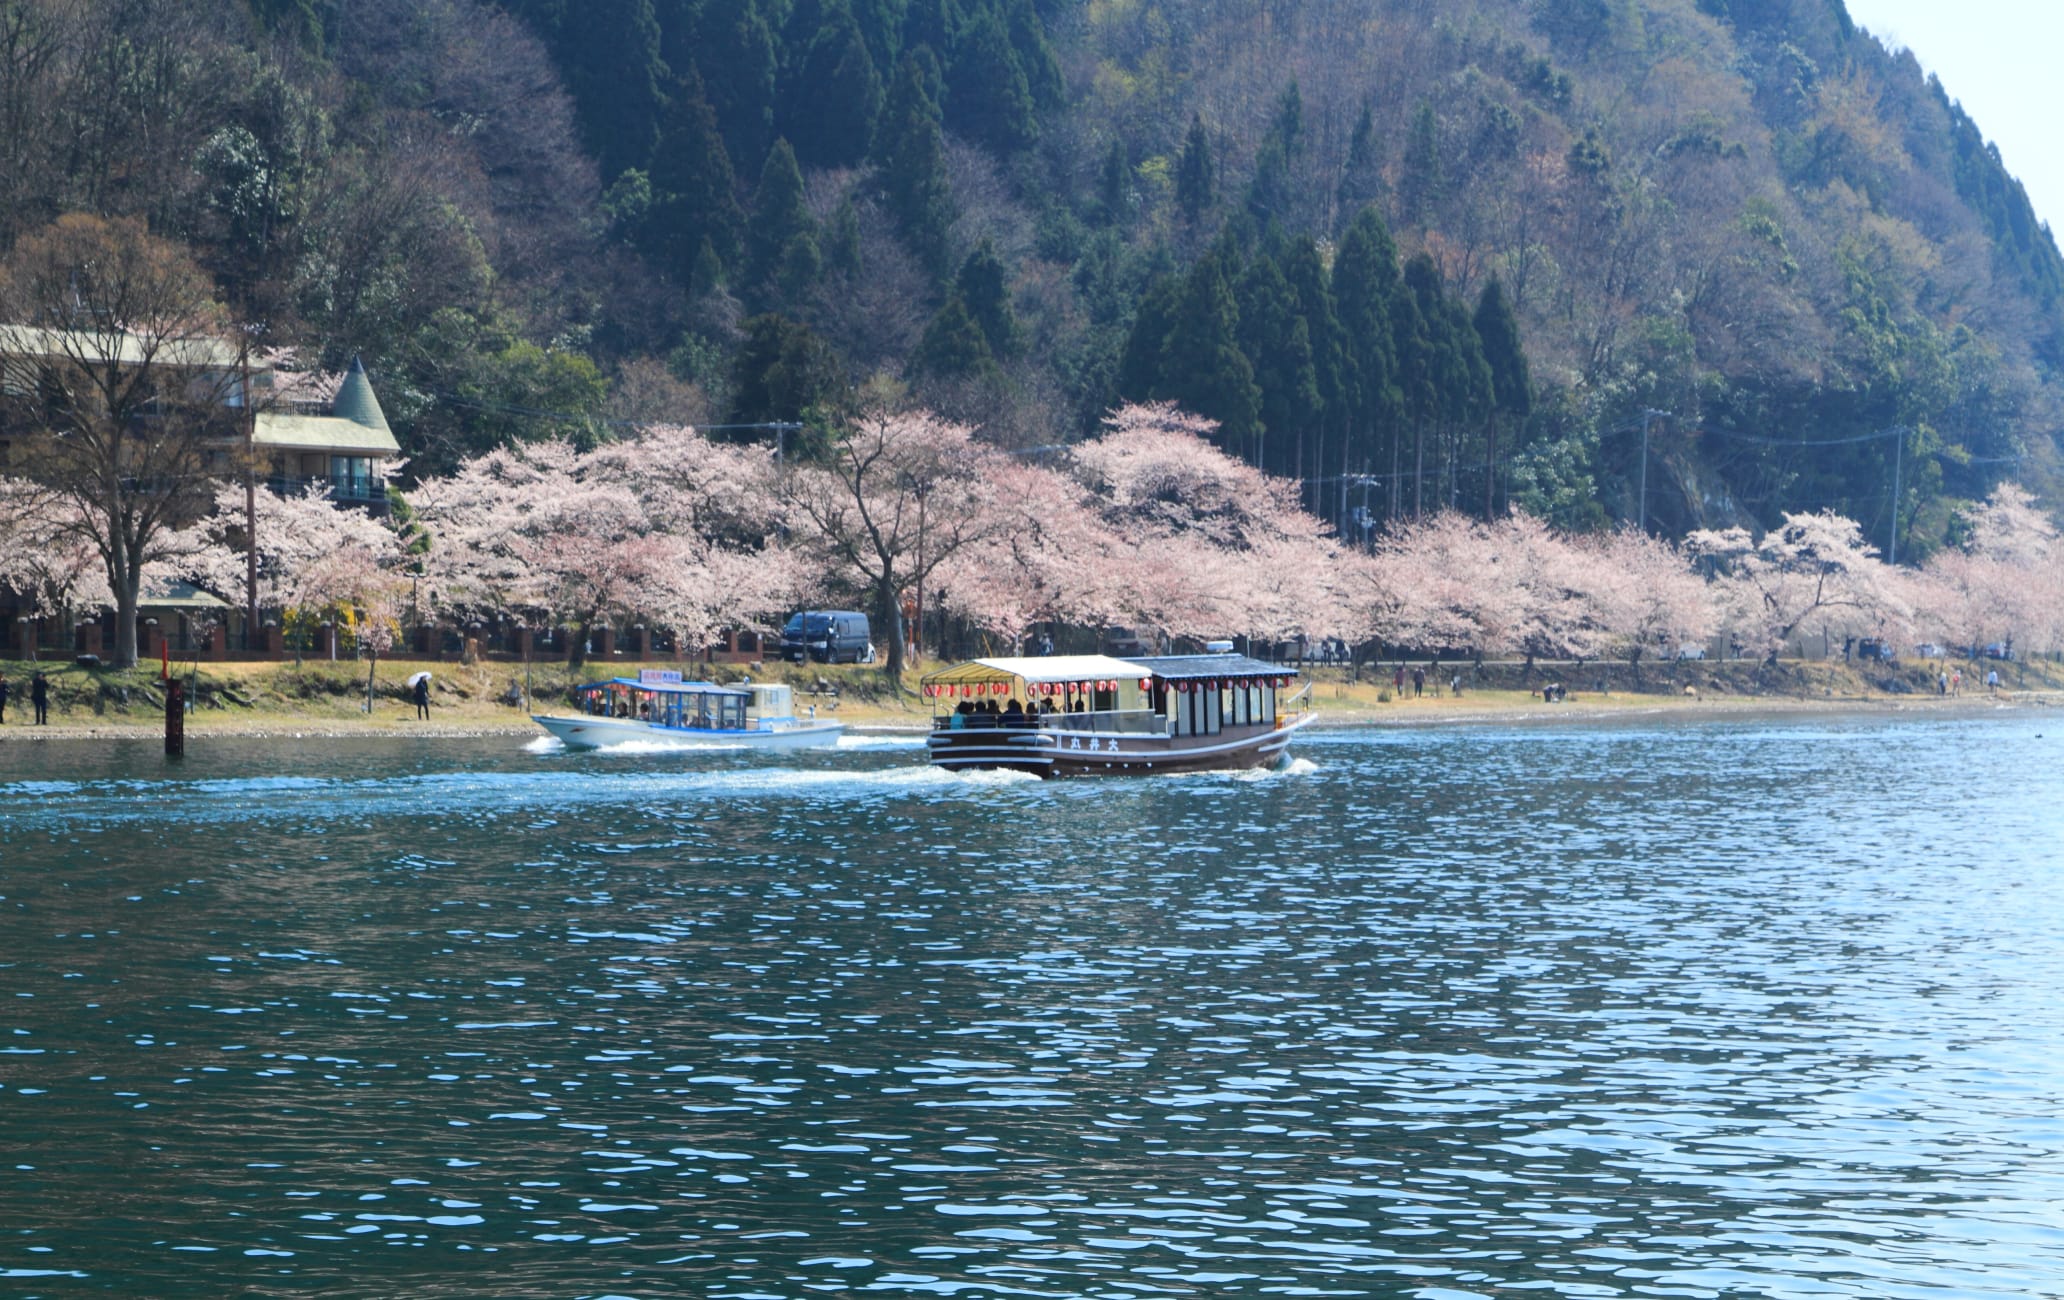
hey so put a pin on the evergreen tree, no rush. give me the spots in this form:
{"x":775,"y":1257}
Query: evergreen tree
{"x":1269,"y":194}
{"x":782,"y":371}
{"x":1287,"y":127}
{"x":1146,"y":345}
{"x":881,"y":26}
{"x":987,"y":99}
{"x":1332,"y":371}
{"x":613,"y":71}
{"x":984,"y":289}
{"x":693,"y":191}
{"x":911,"y":151}
{"x":1196,"y":176}
{"x":1035,"y":55}
{"x":1202,"y":366}
{"x":736,"y":55}
{"x":1429,"y":363}
{"x":1114,"y":184}
{"x":834,"y":93}
{"x":779,"y":215}
{"x":1361,"y":180}
{"x":1420,"y":180}
{"x":953,"y":345}
{"x":934,"y":25}
{"x":1277,"y":342}
{"x":1365,"y":289}
{"x":1511,"y":388}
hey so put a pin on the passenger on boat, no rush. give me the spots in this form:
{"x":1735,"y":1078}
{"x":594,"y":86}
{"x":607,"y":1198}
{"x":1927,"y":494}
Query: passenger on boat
{"x":1014,"y":713}
{"x":959,"y":720}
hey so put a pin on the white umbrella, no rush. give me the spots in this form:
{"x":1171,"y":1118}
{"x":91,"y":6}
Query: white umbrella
{"x":418,"y":677}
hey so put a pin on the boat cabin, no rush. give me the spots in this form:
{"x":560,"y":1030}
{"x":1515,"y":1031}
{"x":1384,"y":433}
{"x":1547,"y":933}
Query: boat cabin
{"x":1091,"y":714}
{"x":1171,"y":695}
{"x":695,"y":706}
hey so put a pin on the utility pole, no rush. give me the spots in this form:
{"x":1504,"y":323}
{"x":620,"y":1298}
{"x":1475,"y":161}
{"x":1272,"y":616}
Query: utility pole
{"x":1647,"y":415}
{"x":1898,"y":458}
{"x":250,"y":487}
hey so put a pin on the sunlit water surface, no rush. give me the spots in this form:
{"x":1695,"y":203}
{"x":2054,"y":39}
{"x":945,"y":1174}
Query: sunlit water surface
{"x":1737,"y":1009}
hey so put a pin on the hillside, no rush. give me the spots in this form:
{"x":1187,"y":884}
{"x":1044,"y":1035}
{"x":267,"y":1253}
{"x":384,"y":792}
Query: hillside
{"x":1739,"y":242}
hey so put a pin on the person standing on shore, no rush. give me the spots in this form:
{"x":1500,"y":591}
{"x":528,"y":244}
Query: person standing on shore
{"x":1418,"y":682}
{"x":39,"y":695}
{"x":1942,"y":683}
{"x":423,"y":697}
{"x":4,"y":689}
{"x":1992,"y":681}
{"x":1956,"y":681}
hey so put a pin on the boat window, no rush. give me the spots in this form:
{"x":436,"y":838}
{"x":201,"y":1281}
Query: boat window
{"x":1212,"y":715}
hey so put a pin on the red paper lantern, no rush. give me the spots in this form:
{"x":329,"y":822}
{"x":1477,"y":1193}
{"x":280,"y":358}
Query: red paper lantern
{"x":1145,"y":684}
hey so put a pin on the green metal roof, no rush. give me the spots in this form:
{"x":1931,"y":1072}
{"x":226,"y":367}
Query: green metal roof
{"x":322,"y":433}
{"x":355,"y":401}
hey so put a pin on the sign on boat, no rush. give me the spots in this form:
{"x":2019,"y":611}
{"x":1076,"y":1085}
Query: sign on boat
{"x":1097,"y":715}
{"x":657,"y":705}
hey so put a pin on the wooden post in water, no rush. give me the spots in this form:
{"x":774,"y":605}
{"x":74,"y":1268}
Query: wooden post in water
{"x":175,"y":718}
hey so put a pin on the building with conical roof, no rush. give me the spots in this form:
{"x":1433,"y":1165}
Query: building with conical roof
{"x":343,"y":443}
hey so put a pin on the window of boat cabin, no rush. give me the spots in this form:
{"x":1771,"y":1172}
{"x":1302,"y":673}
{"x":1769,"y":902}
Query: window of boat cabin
{"x":1242,"y":706}
{"x":1214,"y":712}
{"x":1104,"y":701}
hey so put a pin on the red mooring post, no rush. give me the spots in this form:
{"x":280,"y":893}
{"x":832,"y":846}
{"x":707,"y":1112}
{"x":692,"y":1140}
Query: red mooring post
{"x":175,"y":718}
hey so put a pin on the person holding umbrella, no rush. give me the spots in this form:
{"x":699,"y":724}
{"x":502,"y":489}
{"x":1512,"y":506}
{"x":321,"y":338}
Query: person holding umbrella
{"x":419,"y":687}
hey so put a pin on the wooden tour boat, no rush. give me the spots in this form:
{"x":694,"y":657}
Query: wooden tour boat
{"x":658,"y":706}
{"x":1097,"y":715}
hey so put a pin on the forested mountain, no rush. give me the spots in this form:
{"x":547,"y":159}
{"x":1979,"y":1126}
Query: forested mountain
{"x":1694,"y":261}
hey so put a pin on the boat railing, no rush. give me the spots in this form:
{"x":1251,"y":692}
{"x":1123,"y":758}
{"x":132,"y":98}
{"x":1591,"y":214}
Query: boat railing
{"x":1296,"y":704}
{"x":1118,"y":722}
{"x":1121,"y":722}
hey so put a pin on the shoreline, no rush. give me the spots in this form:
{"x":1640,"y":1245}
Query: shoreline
{"x":1340,"y":716}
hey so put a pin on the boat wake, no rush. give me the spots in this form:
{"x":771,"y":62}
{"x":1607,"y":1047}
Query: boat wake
{"x":489,"y":793}
{"x":880,"y":740}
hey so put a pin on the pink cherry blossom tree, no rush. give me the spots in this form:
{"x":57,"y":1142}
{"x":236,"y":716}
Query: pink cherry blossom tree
{"x":2005,"y":584}
{"x":1814,"y":566}
{"x":900,"y":495}
{"x":667,"y":527}
{"x":1645,"y":594}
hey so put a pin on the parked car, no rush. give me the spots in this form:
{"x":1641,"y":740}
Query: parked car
{"x":830,"y":636}
{"x":1124,"y":643}
{"x":1999,"y":650}
{"x":1689,"y":651}
{"x":1872,"y":650}
{"x":1930,"y":650}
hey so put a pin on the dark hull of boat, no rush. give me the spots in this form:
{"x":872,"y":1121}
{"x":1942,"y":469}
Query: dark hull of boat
{"x":1061,"y":753}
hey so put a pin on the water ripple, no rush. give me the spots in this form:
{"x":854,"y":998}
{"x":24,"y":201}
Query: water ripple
{"x":1734,"y":1009}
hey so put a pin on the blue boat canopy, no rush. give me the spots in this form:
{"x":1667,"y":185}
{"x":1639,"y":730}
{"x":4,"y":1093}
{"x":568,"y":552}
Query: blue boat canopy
{"x":1178,"y":668}
{"x":668,"y":688}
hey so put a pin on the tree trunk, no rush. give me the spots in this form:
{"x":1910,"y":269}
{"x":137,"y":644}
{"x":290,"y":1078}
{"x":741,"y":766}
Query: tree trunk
{"x":891,"y":613}
{"x":577,"y":647}
{"x":1419,"y":469}
{"x":126,"y":600}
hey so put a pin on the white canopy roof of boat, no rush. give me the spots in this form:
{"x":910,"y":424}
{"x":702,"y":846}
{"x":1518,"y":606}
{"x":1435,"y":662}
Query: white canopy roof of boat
{"x":1042,"y":669}
{"x":667,"y":688}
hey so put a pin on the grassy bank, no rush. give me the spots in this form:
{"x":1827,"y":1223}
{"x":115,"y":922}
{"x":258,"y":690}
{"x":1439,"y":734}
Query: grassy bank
{"x":472,"y":699}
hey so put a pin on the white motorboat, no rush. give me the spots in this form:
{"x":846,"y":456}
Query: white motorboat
{"x":657,"y":706}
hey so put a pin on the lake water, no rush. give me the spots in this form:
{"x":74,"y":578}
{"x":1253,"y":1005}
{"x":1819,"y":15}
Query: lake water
{"x":1738,"y":1008}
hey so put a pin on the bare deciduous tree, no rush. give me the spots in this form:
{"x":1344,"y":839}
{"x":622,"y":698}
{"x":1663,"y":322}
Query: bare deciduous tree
{"x":118,"y":390}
